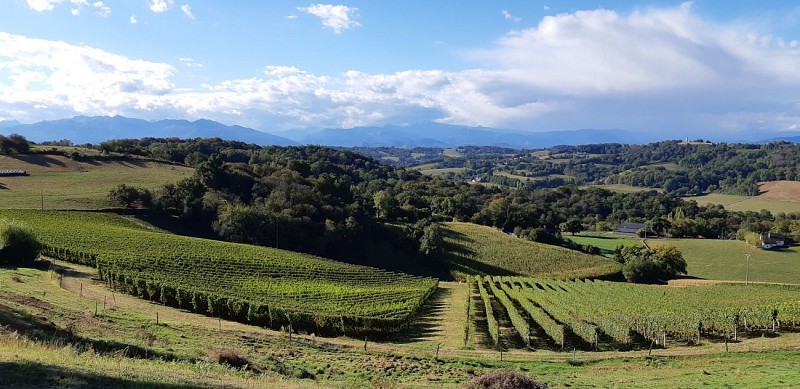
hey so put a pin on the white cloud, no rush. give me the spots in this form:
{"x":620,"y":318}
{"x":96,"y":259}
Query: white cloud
{"x":101,"y":9}
{"x":187,"y":11}
{"x":133,"y":20}
{"x":656,"y":69}
{"x":509,"y":16}
{"x":336,"y":17}
{"x":49,"y":5}
{"x":159,"y":6}
{"x":189,"y":62}
{"x":291,"y":16}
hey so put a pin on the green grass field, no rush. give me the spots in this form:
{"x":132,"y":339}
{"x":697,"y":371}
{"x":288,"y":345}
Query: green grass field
{"x":439,"y":172}
{"x":475,"y":249}
{"x":725,"y":260}
{"x":56,"y":182}
{"x":606,"y":241}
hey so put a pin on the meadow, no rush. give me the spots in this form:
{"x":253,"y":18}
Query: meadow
{"x":774,"y":196}
{"x":56,"y":182}
{"x":606,"y":241}
{"x":726,"y":260}
{"x":475,"y":249}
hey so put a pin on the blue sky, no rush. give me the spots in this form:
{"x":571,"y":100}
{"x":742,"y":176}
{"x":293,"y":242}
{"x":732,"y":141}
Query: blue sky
{"x":700,"y":67}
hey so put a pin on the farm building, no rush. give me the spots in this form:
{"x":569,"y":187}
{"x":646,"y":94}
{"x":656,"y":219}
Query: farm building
{"x":629,"y":228}
{"x":772,"y":240}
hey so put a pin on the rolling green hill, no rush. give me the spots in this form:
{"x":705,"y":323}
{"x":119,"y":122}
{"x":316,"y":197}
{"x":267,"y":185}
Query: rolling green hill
{"x":475,"y":249}
{"x":57,"y":182}
{"x":247,"y":283}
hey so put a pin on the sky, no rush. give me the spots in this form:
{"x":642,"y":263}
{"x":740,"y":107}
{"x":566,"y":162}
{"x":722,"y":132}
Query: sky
{"x":685,"y":68}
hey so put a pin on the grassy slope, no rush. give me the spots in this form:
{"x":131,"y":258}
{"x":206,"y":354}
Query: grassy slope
{"x":474,"y":249}
{"x":67,"y":184}
{"x":606,"y":241}
{"x":623,"y":188}
{"x":335,"y":362}
{"x":725,"y":260}
{"x":775,"y":196}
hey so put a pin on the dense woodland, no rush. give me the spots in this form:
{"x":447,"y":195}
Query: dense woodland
{"x":339,"y":204}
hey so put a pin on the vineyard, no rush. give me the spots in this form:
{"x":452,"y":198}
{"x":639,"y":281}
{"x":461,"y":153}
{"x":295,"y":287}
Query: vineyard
{"x":475,"y":249}
{"x":596,"y":315}
{"x":263,"y":286}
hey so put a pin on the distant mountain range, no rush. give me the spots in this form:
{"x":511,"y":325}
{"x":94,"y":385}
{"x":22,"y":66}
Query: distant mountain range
{"x":96,"y":129}
{"x":432,"y":134}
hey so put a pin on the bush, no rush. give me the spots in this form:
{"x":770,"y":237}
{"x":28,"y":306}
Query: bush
{"x":505,"y":380}
{"x":18,"y":244}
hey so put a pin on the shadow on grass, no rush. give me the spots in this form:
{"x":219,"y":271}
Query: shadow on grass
{"x":39,"y":159}
{"x":430,"y":316}
{"x":37,"y":375}
{"x":463,"y":259}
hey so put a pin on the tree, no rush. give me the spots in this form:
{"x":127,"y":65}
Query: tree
{"x":642,"y":264}
{"x":127,"y":195}
{"x":572,"y":226}
{"x":432,"y":240}
{"x":18,"y":244}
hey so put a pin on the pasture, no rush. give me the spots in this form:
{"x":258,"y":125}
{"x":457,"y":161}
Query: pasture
{"x":56,"y":182}
{"x":606,"y":241}
{"x":726,"y":260}
{"x":774,"y":196}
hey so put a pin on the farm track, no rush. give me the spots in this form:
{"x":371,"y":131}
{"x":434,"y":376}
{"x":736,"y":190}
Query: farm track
{"x":85,"y":278}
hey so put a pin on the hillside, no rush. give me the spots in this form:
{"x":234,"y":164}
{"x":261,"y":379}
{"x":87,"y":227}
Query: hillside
{"x":475,"y":249}
{"x":774,"y":196}
{"x":260,"y":285}
{"x":57,"y":182}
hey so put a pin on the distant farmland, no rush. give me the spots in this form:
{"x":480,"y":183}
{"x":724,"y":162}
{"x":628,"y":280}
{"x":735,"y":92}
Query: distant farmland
{"x":774,"y":196}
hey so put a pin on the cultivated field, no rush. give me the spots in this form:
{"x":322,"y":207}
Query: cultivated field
{"x":601,"y":314}
{"x":475,"y":249}
{"x":774,"y":196}
{"x":57,"y":182}
{"x":265,"y":286}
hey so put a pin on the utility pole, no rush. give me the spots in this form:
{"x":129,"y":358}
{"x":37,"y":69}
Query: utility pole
{"x":747,"y":271}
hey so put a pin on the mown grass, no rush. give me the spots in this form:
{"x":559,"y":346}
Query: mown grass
{"x":606,"y":241}
{"x":746,"y":203}
{"x":725,"y":260}
{"x":475,"y":249}
{"x":55,"y":182}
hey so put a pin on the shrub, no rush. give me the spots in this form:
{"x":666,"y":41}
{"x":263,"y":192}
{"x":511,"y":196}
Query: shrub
{"x":232,"y":359}
{"x":18,"y":244}
{"x":505,"y":380}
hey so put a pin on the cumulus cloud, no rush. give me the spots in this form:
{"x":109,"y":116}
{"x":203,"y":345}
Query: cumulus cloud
{"x":159,"y":6}
{"x":187,"y":11}
{"x":655,"y":69}
{"x":191,"y":63}
{"x":101,"y":9}
{"x":49,"y":5}
{"x":336,"y":17}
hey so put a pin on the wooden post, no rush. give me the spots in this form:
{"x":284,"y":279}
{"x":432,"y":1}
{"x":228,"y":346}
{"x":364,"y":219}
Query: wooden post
{"x":596,"y":341}
{"x":437,"y":351}
{"x":664,"y":339}
{"x":726,"y":343}
{"x":501,"y":355}
{"x":365,"y":343}
{"x":650,"y":351}
{"x":220,"y":323}
{"x":96,"y":303}
{"x":81,"y":289}
{"x":156,"y":317}
{"x":104,"y":302}
{"x":574,"y":351}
